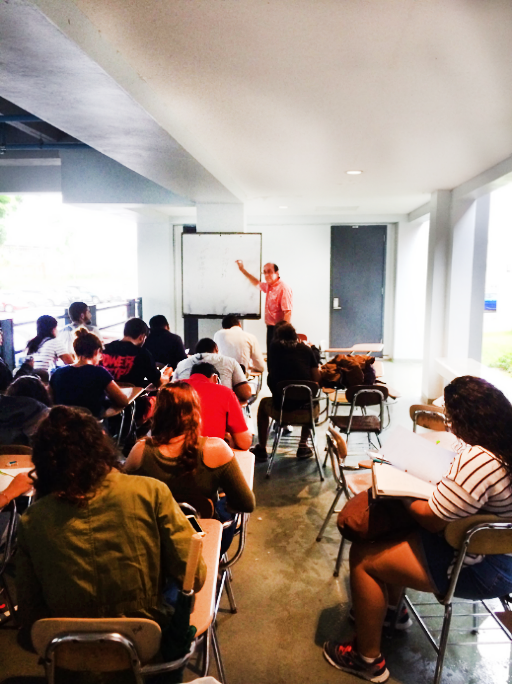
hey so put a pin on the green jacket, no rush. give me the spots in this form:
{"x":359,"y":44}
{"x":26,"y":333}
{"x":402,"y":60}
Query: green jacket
{"x":109,"y":558}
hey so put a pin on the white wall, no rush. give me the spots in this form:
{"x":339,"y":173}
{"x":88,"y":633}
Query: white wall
{"x":302,"y":253}
{"x":411,"y":282}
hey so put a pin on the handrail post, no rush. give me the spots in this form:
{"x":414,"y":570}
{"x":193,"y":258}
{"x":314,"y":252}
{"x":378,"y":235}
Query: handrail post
{"x":130,"y":308}
{"x":92,"y":309}
{"x":8,"y":344}
{"x":139,"y":307}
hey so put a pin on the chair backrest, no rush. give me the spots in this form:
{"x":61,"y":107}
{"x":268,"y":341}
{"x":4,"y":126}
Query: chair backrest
{"x":366,"y":395}
{"x":302,"y":337}
{"x":298,"y":390}
{"x":495,"y":538}
{"x":97,"y":655}
{"x":339,"y":444}
{"x":427,"y":416}
{"x":15,"y":449}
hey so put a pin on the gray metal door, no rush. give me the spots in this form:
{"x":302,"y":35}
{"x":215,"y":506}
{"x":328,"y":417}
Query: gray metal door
{"x":358,"y":260}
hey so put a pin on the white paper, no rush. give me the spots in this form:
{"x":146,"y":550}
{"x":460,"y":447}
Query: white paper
{"x":411,"y":453}
{"x":5,"y":480}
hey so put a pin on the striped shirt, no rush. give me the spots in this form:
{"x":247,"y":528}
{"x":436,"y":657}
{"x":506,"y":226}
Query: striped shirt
{"x":48,"y":353}
{"x":476,"y":482}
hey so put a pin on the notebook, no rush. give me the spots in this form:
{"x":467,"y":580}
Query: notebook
{"x":417,"y":465}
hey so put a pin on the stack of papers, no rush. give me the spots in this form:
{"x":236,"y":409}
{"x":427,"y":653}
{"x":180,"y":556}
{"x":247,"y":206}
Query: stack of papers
{"x":415,"y":466}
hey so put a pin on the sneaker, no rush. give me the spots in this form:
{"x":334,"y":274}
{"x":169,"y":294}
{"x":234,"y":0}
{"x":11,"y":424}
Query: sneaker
{"x":344,"y":657}
{"x":260,"y":453}
{"x":404,"y":620}
{"x":288,"y":429}
{"x":304,"y":452}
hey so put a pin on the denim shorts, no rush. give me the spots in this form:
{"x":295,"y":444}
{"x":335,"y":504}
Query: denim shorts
{"x":491,"y":578}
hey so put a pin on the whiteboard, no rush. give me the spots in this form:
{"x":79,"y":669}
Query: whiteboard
{"x":213,"y":285}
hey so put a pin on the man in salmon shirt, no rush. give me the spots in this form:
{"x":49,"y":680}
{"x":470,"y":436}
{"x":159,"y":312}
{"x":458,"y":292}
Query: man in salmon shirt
{"x":278,"y":303}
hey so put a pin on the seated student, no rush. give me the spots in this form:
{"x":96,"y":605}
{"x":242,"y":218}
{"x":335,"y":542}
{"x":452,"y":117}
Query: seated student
{"x":177,"y":455}
{"x":85,"y":382}
{"x":165,"y":347}
{"x":96,"y":543}
{"x":479,"y":480}
{"x":80,"y":316}
{"x":230,"y":373}
{"x":239,"y":344}
{"x":220,"y":409}
{"x":5,"y":371}
{"x":290,"y":360}
{"x":45,"y":348}
{"x":128,"y":361}
{"x":23,"y":407}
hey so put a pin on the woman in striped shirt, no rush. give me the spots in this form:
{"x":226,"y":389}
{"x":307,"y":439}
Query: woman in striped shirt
{"x":479,"y":479}
{"x":45,"y":348}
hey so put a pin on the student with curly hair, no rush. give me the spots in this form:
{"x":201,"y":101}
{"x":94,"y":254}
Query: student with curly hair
{"x":479,"y":479}
{"x":96,"y":543}
{"x":188,"y":463}
{"x":86,"y":383}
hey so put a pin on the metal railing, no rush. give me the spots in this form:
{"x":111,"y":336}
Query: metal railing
{"x":132,"y":307}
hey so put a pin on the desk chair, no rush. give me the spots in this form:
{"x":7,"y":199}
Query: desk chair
{"x":362,"y":396}
{"x":427,"y":416}
{"x":303,"y":391}
{"x":127,"y":643}
{"x":350,"y":480}
{"x":480,"y":534}
{"x":7,"y":548}
{"x":101,"y":645}
{"x":15,"y":450}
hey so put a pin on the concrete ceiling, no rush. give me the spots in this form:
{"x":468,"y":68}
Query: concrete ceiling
{"x":271,"y":103}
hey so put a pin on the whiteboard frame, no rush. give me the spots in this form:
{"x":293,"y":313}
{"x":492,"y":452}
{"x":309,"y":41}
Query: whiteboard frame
{"x":242,"y":316}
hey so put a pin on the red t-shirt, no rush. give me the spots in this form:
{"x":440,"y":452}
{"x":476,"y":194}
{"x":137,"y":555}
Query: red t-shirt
{"x":220,"y":409}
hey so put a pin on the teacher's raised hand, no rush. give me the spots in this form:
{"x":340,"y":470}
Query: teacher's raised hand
{"x":240,"y":264}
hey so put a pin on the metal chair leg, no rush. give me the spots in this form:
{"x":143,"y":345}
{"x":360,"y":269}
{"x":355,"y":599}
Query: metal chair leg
{"x":205,"y":659}
{"x":339,"y":558}
{"x":443,"y":641}
{"x":231,"y":596}
{"x":277,"y":438}
{"x":329,"y":514}
{"x":217,"y":655}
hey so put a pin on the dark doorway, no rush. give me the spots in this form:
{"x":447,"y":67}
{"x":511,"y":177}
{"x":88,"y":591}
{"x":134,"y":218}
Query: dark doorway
{"x":358,"y":262}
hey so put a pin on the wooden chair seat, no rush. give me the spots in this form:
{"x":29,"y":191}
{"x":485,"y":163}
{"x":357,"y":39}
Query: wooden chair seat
{"x":359,"y":423}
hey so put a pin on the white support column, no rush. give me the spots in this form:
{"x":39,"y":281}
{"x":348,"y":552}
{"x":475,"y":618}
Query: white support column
{"x":467,"y":281}
{"x":436,"y":305}
{"x":155,"y":262}
{"x":218,"y":218}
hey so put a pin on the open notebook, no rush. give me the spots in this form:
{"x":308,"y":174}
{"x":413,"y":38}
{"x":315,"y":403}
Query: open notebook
{"x":417,"y":465}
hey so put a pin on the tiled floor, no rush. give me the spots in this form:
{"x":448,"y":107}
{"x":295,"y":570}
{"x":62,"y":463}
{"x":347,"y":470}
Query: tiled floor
{"x":288,"y":601}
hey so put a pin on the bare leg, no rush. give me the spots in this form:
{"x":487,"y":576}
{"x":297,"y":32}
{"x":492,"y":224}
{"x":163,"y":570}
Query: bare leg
{"x":372,"y":568}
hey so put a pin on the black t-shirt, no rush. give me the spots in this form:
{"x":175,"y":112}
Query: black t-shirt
{"x":129,"y":363}
{"x":289,"y":363}
{"x":165,"y":347}
{"x":81,"y":386}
